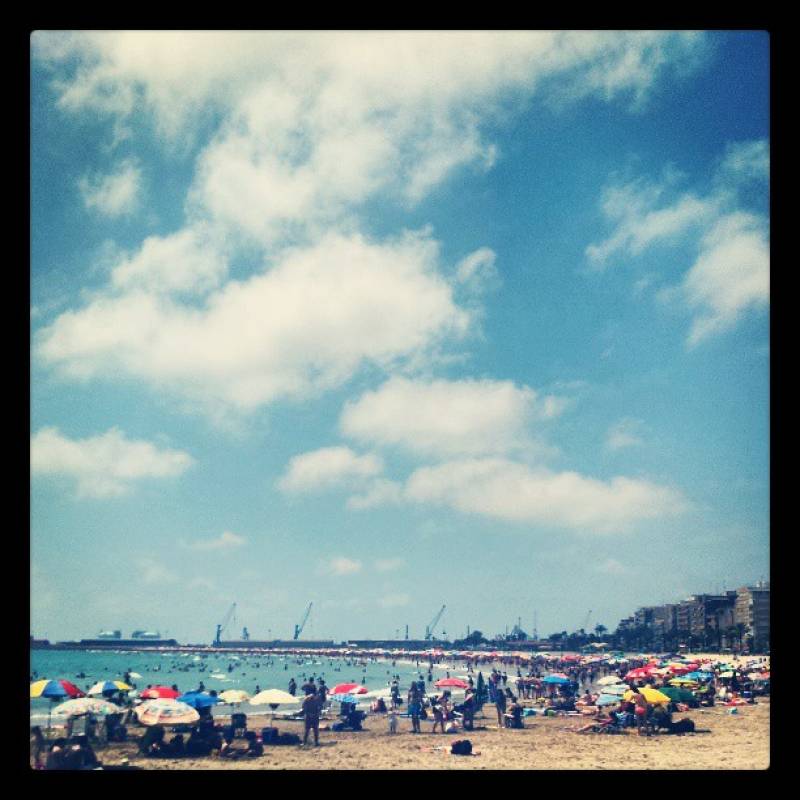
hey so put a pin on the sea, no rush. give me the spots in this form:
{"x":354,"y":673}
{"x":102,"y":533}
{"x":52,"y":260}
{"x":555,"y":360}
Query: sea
{"x":222,"y":671}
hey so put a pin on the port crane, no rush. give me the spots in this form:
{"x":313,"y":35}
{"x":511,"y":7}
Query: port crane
{"x":298,"y":629}
{"x":434,"y":623}
{"x":230,"y":617}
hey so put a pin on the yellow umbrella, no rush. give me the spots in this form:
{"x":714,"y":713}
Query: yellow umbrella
{"x":231,"y":696}
{"x":650,"y":694}
{"x":683,"y":682}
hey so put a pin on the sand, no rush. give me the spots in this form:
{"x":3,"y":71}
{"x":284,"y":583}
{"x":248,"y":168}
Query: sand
{"x":739,"y":741}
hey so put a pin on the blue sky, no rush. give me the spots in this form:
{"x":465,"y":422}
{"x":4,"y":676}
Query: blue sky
{"x":386,"y":321}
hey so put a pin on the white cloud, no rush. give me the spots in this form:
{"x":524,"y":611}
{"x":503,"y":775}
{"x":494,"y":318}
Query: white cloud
{"x":746,"y":161}
{"x":225,"y":541}
{"x":329,"y":466}
{"x":380,"y":492}
{"x":305,"y":325}
{"x":315,"y":123}
{"x":514,"y":492}
{"x":116,"y":194}
{"x":104,"y":465}
{"x":731,"y":272}
{"x":440,"y":417}
{"x":730,"y":276}
{"x":640,"y":224}
{"x":341,"y":565}
{"x":186,"y":261}
{"x":624,"y":433}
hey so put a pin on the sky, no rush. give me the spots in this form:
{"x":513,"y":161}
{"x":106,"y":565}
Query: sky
{"x":386,"y":321}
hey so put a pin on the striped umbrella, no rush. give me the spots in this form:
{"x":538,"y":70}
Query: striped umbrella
{"x":165,"y":712}
{"x":101,"y":687}
{"x":55,"y":689}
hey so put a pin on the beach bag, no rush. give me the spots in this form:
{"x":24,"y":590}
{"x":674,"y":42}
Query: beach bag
{"x":287,"y":738}
{"x":461,"y":747}
{"x":684,"y":725}
{"x":269,"y":735}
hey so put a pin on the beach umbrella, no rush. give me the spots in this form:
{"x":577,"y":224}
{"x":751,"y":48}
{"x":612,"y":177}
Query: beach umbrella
{"x":677,"y":694}
{"x":198,"y":699}
{"x":699,"y":675}
{"x":349,"y":688}
{"x":101,"y":687}
{"x":274,"y":697}
{"x":556,"y":679}
{"x":727,"y":674}
{"x":134,"y":675}
{"x":639,"y":672}
{"x":166,"y":712}
{"x":455,"y":683}
{"x":159,"y":693}
{"x":608,"y":680}
{"x":231,"y":696}
{"x":616,"y":688}
{"x":55,"y":689}
{"x":607,"y":700}
{"x":87,"y":705}
{"x":684,"y":681}
{"x":650,"y":694}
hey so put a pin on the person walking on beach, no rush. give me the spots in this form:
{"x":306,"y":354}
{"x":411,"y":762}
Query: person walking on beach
{"x":311,"y":712}
{"x":414,"y":707}
{"x":292,"y":686}
{"x":500,"y":704}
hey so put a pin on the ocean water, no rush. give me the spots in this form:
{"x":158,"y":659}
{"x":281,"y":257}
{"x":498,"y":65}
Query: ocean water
{"x":220,"y":671}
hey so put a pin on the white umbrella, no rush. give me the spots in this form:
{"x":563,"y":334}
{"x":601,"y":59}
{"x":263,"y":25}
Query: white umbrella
{"x":87,"y":705}
{"x":274,"y":697}
{"x":609,"y":680}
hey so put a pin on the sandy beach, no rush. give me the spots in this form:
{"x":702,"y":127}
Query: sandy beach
{"x":723,"y":741}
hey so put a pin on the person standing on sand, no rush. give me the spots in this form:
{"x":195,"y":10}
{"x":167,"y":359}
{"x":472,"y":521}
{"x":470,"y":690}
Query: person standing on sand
{"x":311,"y":711}
{"x":500,"y":704}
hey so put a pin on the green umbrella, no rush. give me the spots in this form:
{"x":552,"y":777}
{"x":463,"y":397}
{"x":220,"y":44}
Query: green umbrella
{"x":677,"y":694}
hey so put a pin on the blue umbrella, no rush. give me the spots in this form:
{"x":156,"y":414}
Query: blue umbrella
{"x":607,"y":700}
{"x":699,"y":675}
{"x":555,"y":679}
{"x":198,"y":699}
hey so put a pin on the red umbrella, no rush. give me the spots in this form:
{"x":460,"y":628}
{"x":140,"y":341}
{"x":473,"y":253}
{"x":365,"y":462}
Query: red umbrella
{"x":641,"y":672}
{"x":456,"y":683}
{"x":349,"y":688}
{"x":155,"y":692}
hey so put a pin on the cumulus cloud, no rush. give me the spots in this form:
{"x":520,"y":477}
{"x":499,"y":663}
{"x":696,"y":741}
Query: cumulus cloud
{"x":305,"y":325}
{"x":440,"y":417}
{"x":329,"y":466}
{"x":514,"y":492}
{"x":316,"y":123}
{"x":115,"y":194}
{"x":225,"y":541}
{"x":105,"y":465}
